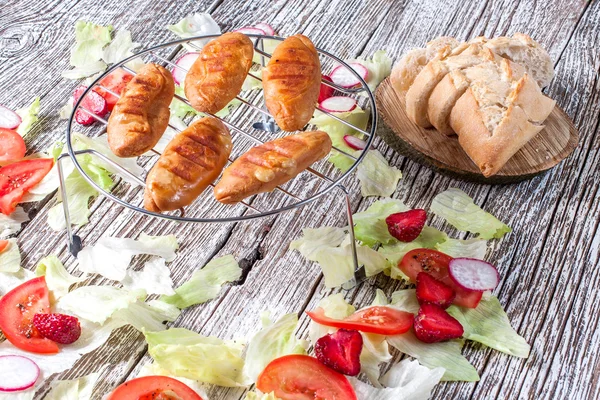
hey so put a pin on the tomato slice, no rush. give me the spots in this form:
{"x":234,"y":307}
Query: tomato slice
{"x":115,"y":82}
{"x":378,"y":319}
{"x":18,"y":308}
{"x":299,"y":377}
{"x":18,"y":178}
{"x":436,"y":263}
{"x":3,"y":245}
{"x":153,"y":388}
{"x":12,"y":146}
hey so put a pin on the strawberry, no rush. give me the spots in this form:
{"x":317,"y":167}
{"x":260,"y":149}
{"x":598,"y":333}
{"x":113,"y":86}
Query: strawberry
{"x":59,"y":328}
{"x":326,"y":91}
{"x":432,"y":291}
{"x":433,"y":324}
{"x":406,"y":226}
{"x":92,"y":102}
{"x":340,"y":351}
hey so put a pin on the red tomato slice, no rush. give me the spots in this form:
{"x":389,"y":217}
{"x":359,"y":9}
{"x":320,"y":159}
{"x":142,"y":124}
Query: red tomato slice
{"x":18,"y":178}
{"x":3,"y":245}
{"x":12,"y":146}
{"x":153,"y":388}
{"x":18,"y":308}
{"x":116,"y":82}
{"x":299,"y":377}
{"x":378,"y":319}
{"x":436,"y":264}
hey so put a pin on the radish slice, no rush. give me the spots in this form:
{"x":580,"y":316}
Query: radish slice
{"x":266,"y":28}
{"x":9,"y":119}
{"x":354,"y":142}
{"x":185,"y":62}
{"x":251,"y":30}
{"x":345,"y":78}
{"x":338,"y":104}
{"x":473,"y":274}
{"x":17,"y":373}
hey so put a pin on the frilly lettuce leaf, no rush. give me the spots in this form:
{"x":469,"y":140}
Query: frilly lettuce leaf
{"x":456,"y":207}
{"x":488,"y":324}
{"x":274,"y":340}
{"x":379,"y":66}
{"x":472,"y":248}
{"x":369,"y":225}
{"x":87,"y":52}
{"x":315,"y":239}
{"x":155,"y":278}
{"x":58,"y":278}
{"x":195,"y":25}
{"x":10,"y":258}
{"x":405,"y":300}
{"x":120,"y":48}
{"x":205,"y":284}
{"x":376,"y":176}
{"x":29,"y":116}
{"x":73,"y":389}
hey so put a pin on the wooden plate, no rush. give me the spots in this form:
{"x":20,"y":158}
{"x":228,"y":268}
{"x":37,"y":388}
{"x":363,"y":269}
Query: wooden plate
{"x":442,"y":153}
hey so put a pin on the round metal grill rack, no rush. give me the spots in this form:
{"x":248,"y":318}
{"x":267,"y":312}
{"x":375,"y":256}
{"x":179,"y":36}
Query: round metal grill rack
{"x":327,"y":178}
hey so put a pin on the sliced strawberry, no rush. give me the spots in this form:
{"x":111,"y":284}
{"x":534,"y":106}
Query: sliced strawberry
{"x":406,"y":226}
{"x":59,"y":328}
{"x":326,"y":91}
{"x":92,"y":102}
{"x":432,"y":291}
{"x":433,"y":324}
{"x":340,"y":351}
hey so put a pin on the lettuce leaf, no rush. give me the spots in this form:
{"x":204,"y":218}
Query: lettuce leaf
{"x":155,"y":278}
{"x":58,"y":279}
{"x":376,"y":176}
{"x":73,"y":389}
{"x":334,"y":306}
{"x":261,"y":396}
{"x":11,"y":224}
{"x":488,"y":324}
{"x":405,"y":300}
{"x":29,"y":116}
{"x":178,"y":108}
{"x":456,"y":207}
{"x":379,"y":66}
{"x":472,"y":248}
{"x":375,"y":351}
{"x":10,"y":280}
{"x":89,"y":69}
{"x":274,"y":340}
{"x":205,"y":284}
{"x":195,"y":25}
{"x":10,"y":258}
{"x":251,"y":83}
{"x":315,"y":239}
{"x":120,"y":48}
{"x":369,"y":225}
{"x":87,"y":52}
{"x":190,"y":355}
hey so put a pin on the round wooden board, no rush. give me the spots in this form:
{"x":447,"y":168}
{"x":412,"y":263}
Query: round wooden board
{"x":442,"y":153}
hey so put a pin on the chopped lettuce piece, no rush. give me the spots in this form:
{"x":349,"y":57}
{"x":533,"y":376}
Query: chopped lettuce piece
{"x":376,"y":176}
{"x":472,"y":248}
{"x":274,"y":340}
{"x":178,"y":108}
{"x":10,"y":258}
{"x":257,"y":395}
{"x":190,"y":355}
{"x":456,"y":207}
{"x":488,"y":324}
{"x":379,"y":66}
{"x":11,"y":224}
{"x":73,"y":389}
{"x":369,"y":225}
{"x":407,"y":380}
{"x":147,"y":316}
{"x":380,"y":298}
{"x":97,"y":303}
{"x":58,"y":278}
{"x":195,"y":25}
{"x":120,"y":48}
{"x":89,"y":69}
{"x":110,"y":256}
{"x":315,"y":239}
{"x":405,"y":300}
{"x":205,"y":284}
{"x":155,"y":278}
{"x":375,"y":352}
{"x":432,"y":355}
{"x":10,"y":280}
{"x":29,"y":116}
{"x":87,"y":52}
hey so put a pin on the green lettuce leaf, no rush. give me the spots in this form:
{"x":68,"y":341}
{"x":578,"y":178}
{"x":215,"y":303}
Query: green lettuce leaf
{"x":315,"y":239}
{"x":190,"y":355}
{"x":180,"y":109}
{"x":488,"y":324}
{"x":10,"y":258}
{"x":274,"y":340}
{"x":73,"y":389}
{"x":472,"y":248}
{"x":11,"y":224}
{"x":120,"y":48}
{"x":369,"y":225}
{"x":87,"y":52}
{"x":58,"y":278}
{"x":379,"y":66}
{"x":29,"y":116}
{"x":261,"y":396}
{"x":205,"y":284}
{"x":154,"y":278}
{"x":195,"y":25}
{"x":376,"y":176}
{"x":456,"y":207}
{"x":405,"y":300}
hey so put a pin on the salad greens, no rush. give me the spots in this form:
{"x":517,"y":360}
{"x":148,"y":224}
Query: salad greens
{"x":261,"y":396}
{"x":11,"y":224}
{"x":155,"y":278}
{"x":376,"y":176}
{"x":87,"y":52}
{"x":205,"y":284}
{"x":379,"y":67}
{"x":195,"y":25}
{"x":58,"y":278}
{"x":73,"y":389}
{"x":10,"y":258}
{"x":471,"y":248}
{"x":29,"y":116}
{"x":369,"y":225}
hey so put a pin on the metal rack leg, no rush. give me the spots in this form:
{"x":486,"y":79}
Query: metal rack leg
{"x":73,"y":241}
{"x":359,"y":270}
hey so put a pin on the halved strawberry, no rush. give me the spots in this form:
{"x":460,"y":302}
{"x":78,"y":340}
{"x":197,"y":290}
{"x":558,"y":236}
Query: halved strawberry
{"x":92,"y":102}
{"x":406,"y":226}
{"x":326,"y":91}
{"x":432,"y":291}
{"x":340,"y":351}
{"x":433,"y":324}
{"x":59,"y":328}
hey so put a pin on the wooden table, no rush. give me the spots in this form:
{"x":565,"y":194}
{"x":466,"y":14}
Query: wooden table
{"x":549,"y":264}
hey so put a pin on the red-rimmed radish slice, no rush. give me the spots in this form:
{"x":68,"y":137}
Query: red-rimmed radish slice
{"x":17,"y":373}
{"x":473,"y":274}
{"x":345,"y":78}
{"x":9,"y":119}
{"x":93,"y":102}
{"x":338,"y":104}
{"x":266,"y":28}
{"x":185,"y":63}
{"x":325,"y":91}
{"x":354,"y":142}
{"x":250,"y":30}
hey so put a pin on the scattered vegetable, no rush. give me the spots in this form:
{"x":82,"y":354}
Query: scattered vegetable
{"x":17,"y":373}
{"x":431,"y":291}
{"x":12,"y":146}
{"x":377,"y":319}
{"x":266,"y":28}
{"x":406,"y":226}
{"x":473,"y":274}
{"x":433,"y":324}
{"x":184,"y":63}
{"x":338,"y":104}
{"x":354,"y":142}
{"x":325,"y":91}
{"x":340,"y":351}
{"x":345,"y":78}
{"x":59,"y":328}
{"x":9,"y":119}
{"x":153,"y":387}
{"x":18,"y":178}
{"x":93,"y":102}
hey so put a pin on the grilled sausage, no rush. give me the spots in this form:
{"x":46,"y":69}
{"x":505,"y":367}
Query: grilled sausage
{"x":191,"y":161}
{"x":291,"y":82}
{"x":218,"y":74}
{"x":141,"y":115}
{"x":264,"y":167}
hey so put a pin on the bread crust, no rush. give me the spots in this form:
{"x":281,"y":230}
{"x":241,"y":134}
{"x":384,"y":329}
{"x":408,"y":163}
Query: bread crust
{"x":291,"y":82}
{"x":264,"y":167}
{"x":190,"y":162}
{"x":218,"y":74}
{"x":142,"y":113}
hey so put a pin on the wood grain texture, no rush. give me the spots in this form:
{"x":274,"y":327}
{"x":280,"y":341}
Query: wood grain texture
{"x":549,"y":263}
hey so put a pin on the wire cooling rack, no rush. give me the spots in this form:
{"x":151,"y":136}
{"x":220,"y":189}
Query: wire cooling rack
{"x":327,"y":178}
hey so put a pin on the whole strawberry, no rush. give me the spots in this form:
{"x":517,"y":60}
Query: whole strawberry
{"x":340,"y":351}
{"x":59,"y":328}
{"x":406,"y":226}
